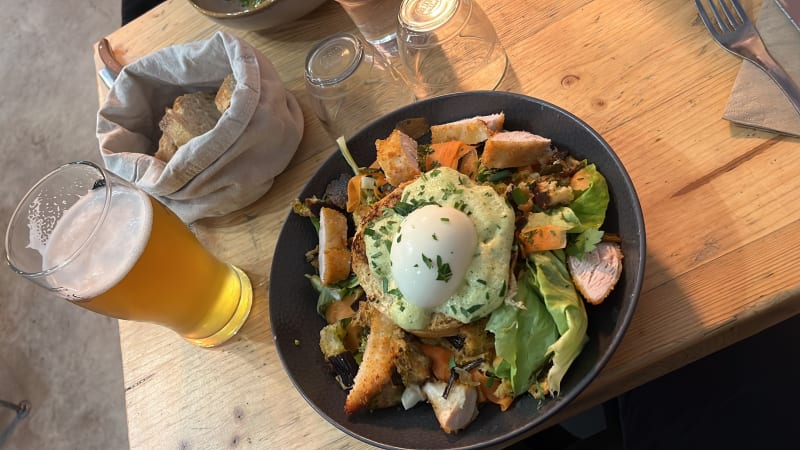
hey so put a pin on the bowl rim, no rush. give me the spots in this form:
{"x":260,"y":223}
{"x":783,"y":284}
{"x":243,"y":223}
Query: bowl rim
{"x":231,"y":15}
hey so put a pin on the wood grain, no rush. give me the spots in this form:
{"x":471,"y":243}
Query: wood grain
{"x":721,"y":226}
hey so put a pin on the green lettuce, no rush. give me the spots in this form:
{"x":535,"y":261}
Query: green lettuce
{"x":561,"y":217}
{"x":551,"y":278}
{"x":332,"y":293}
{"x":590,"y":204}
{"x":583,"y":217}
{"x":522,"y":337}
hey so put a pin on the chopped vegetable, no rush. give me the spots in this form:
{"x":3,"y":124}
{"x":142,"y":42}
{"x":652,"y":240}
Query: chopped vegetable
{"x":566,"y":308}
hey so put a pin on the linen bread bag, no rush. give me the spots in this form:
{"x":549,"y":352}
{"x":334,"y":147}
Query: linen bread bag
{"x":223,"y":169}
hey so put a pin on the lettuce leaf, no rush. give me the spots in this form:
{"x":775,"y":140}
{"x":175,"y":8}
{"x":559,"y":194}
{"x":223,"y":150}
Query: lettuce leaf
{"x":332,"y":293}
{"x":584,"y":242}
{"x":522,"y":337}
{"x":562,"y":217}
{"x":591,"y":203}
{"x":552,"y":280}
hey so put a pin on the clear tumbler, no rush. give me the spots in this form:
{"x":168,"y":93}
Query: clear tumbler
{"x":449,"y":46}
{"x":351,"y":84}
{"x":101,"y":243}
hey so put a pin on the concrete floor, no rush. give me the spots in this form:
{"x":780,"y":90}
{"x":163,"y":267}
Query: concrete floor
{"x":61,"y":358}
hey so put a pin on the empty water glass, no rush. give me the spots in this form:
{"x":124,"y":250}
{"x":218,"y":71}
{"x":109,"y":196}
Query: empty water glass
{"x":376,"y":20}
{"x":351,"y":84}
{"x":449,"y":46}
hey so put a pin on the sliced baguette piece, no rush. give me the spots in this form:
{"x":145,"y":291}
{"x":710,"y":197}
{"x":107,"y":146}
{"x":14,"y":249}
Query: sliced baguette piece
{"x":470,"y":131}
{"x":223,"y":97}
{"x":376,"y":368}
{"x":514,"y":149}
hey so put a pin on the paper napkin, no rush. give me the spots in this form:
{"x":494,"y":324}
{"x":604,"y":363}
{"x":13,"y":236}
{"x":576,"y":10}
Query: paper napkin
{"x":756,"y":101}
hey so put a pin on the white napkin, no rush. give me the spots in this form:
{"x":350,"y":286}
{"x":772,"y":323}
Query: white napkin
{"x":756,"y":101}
{"x":220,"y":171}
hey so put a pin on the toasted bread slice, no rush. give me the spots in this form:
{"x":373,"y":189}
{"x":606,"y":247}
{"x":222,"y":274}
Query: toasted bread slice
{"x":514,"y":149}
{"x":470,"y":131}
{"x":225,"y":92}
{"x":440,"y":325}
{"x":375,"y":370}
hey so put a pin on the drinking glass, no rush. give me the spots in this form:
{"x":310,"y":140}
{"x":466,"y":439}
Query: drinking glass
{"x":99,"y":242}
{"x":449,"y":46}
{"x":350,"y":84}
{"x":376,"y":20}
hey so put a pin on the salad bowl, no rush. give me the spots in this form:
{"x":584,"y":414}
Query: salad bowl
{"x":292,"y":300}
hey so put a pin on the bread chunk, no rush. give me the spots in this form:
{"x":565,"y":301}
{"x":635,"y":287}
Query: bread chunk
{"x":191,"y":115}
{"x":223,"y":98}
{"x":514,"y":149}
{"x":334,"y":255}
{"x":166,"y":148}
{"x":470,"y":131}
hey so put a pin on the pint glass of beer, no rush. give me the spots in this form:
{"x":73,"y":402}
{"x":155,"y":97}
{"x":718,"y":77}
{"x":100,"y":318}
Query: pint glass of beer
{"x":103,"y":244}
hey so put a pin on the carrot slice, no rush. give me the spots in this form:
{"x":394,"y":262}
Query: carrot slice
{"x":440,"y":360}
{"x":489,"y":390}
{"x":354,"y":193}
{"x":446,"y":154}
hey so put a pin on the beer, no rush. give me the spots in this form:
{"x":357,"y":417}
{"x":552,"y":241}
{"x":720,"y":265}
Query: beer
{"x":132,"y":258}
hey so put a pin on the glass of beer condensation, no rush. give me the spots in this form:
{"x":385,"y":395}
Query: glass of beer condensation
{"x":103,"y":244}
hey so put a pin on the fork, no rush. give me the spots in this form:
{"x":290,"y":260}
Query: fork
{"x":736,"y":34}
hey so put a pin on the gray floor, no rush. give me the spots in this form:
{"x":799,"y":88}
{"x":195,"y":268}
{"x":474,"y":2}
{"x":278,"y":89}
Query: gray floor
{"x":61,"y":358}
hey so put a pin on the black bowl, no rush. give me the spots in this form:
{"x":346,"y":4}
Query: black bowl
{"x":292,"y":300}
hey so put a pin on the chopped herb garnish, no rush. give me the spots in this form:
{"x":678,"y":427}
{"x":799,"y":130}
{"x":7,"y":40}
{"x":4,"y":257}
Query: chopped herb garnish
{"x":443,"y":269}
{"x":434,"y":237}
{"x":428,"y":262}
{"x":519,"y":196}
{"x":470,"y":310}
{"x":444,"y":219}
{"x":405,"y":208}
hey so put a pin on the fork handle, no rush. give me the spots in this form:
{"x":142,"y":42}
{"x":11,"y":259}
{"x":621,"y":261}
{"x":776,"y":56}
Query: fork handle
{"x":767,"y":63}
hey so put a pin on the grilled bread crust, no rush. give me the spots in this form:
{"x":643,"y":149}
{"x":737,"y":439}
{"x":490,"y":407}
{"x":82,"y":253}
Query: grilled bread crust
{"x":440,"y":324}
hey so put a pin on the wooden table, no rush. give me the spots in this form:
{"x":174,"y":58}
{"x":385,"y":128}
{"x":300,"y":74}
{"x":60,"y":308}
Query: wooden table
{"x":723,"y":223}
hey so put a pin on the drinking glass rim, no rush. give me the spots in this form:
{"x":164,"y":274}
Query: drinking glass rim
{"x":106,"y":206}
{"x":333,"y":80}
{"x":432,"y":25}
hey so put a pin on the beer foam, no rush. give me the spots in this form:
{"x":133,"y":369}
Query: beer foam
{"x":39,"y":227}
{"x":108,"y":255}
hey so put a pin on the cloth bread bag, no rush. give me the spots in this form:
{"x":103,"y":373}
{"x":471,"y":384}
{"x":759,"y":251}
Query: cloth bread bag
{"x":222,"y":170}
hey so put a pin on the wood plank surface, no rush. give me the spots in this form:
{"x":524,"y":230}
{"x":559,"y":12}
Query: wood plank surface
{"x":722,"y":227}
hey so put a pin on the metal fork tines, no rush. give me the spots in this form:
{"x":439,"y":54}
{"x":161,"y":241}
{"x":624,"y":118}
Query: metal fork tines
{"x":732,"y":29}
